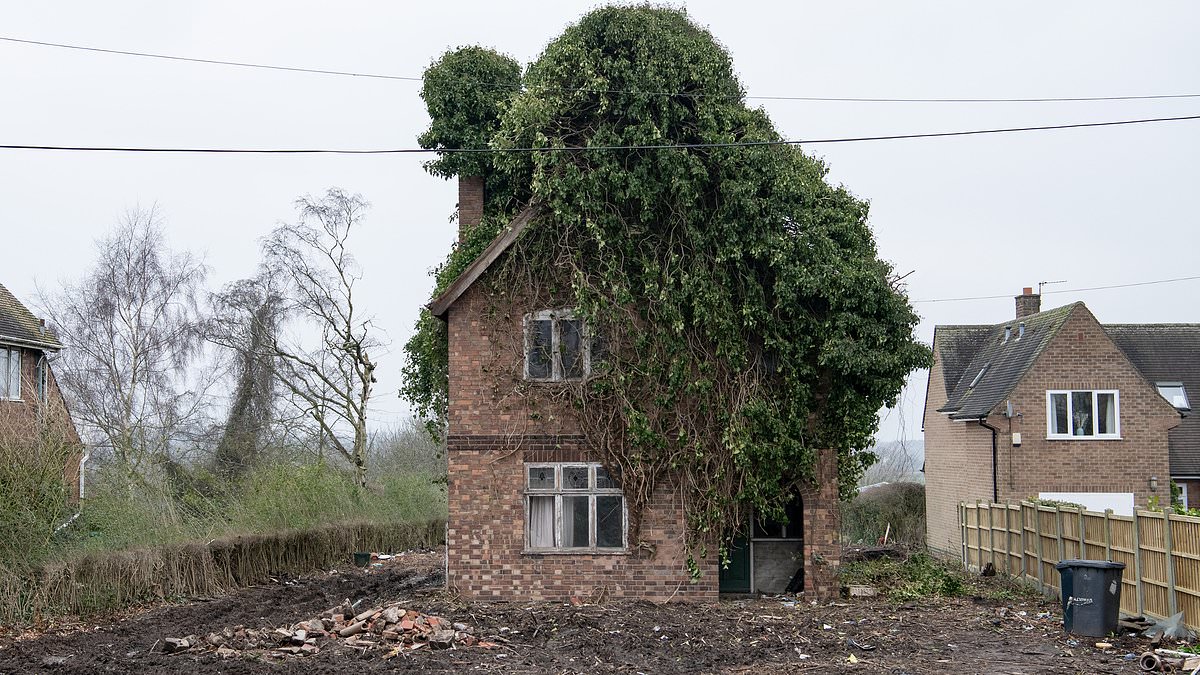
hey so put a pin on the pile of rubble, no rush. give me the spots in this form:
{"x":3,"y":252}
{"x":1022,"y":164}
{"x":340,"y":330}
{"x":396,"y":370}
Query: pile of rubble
{"x":391,"y":627}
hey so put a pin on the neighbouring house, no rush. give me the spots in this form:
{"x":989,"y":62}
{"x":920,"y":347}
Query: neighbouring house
{"x":533,"y":513}
{"x":1054,"y":405}
{"x":32,"y":408}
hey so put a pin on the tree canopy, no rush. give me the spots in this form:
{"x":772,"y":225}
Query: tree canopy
{"x":749,"y":319}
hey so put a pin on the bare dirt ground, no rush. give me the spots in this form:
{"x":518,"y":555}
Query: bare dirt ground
{"x":763,"y":635}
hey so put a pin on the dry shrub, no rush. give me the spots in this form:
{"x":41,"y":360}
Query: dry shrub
{"x":103,"y":581}
{"x":866,"y":518}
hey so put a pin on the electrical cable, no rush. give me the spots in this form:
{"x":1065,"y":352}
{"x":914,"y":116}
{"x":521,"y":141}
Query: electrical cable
{"x":381,"y":76}
{"x":599,"y":148}
{"x":1069,"y":290}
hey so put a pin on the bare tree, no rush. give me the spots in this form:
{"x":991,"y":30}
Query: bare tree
{"x":133,"y":329}
{"x":329,"y":381}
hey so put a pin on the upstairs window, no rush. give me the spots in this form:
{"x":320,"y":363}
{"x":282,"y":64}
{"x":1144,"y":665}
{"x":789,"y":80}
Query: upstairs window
{"x":1083,"y":414}
{"x":557,"y":346}
{"x":1175,"y":394}
{"x":10,"y":373}
{"x":573,"y":507}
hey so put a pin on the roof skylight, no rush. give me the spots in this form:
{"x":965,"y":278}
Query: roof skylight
{"x":1175,"y":394}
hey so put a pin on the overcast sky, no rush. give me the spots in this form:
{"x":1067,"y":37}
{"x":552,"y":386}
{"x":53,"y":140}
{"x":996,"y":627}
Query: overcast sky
{"x":969,"y":216}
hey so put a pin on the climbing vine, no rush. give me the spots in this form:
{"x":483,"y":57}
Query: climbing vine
{"x":748,"y":319}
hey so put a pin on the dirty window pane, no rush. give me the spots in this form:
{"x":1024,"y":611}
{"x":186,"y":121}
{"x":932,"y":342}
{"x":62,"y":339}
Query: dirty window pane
{"x":541,"y":478}
{"x":605,"y":481}
{"x":537,"y":359}
{"x":541,"y":522}
{"x":575,"y":478}
{"x":575,"y":522}
{"x":1059,"y":402}
{"x":610,"y":522}
{"x":570,"y":341}
{"x":1106,"y":414}
{"x":1081,"y":413}
{"x":768,"y":529}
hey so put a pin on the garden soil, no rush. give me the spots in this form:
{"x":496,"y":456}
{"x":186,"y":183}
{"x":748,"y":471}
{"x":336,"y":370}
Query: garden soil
{"x":760,"y":635}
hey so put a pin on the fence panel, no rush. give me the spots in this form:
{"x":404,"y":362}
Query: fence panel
{"x":1025,"y":540}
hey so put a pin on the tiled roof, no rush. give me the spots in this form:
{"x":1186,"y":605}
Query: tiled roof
{"x":1006,"y":361}
{"x":19,"y":325}
{"x":1169,"y":353}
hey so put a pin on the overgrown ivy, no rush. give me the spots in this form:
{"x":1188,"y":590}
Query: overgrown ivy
{"x":749,"y":319}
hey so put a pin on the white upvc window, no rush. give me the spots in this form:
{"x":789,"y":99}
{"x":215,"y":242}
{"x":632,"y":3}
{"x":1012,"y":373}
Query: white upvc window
{"x":557,"y":346}
{"x":10,"y":373}
{"x":1083,"y":414}
{"x":573,"y":507}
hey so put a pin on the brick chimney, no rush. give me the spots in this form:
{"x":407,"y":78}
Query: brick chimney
{"x":1028,"y":303}
{"x":470,"y":203}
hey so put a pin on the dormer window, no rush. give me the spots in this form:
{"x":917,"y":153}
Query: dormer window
{"x":556,"y":346}
{"x":1175,"y":394}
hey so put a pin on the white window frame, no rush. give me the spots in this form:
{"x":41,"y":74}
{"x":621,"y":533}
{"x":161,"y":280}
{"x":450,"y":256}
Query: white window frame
{"x":559,"y":491}
{"x":1187,"y":404}
{"x":1113,"y":435}
{"x":555,"y":316}
{"x":6,"y":356}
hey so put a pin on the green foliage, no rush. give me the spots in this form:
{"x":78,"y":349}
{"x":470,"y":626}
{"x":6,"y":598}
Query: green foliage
{"x":750,"y":321}
{"x":1058,"y":504}
{"x":33,"y":496}
{"x":465,"y":92}
{"x":917,"y":577}
{"x":902,"y":505}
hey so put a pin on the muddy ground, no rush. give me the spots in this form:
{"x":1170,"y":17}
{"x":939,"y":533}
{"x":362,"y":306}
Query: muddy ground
{"x":765,"y":635}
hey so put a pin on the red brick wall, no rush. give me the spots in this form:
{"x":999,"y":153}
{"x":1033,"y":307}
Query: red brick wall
{"x":20,"y":421}
{"x":1082,"y":357}
{"x":822,"y":531}
{"x":958,"y":466}
{"x":497,"y":422}
{"x":470,"y":203}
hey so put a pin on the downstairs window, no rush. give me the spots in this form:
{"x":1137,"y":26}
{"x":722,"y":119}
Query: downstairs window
{"x":572,"y":506}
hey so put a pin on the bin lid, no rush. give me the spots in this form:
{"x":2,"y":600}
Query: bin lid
{"x":1094,"y":564}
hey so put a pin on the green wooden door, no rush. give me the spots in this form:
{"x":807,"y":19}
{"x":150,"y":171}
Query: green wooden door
{"x":736,"y":577}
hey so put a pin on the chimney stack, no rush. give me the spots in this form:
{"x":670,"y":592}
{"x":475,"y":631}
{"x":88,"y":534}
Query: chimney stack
{"x":470,"y":204}
{"x":1028,"y":303}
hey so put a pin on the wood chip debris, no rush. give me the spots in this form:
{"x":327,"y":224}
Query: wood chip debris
{"x":391,"y":627}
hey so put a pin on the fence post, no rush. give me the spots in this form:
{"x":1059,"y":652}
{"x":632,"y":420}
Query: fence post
{"x":1007,"y":540}
{"x":978,"y":535}
{"x":1041,"y":547}
{"x":1172,"y":601}
{"x":1082,"y":536}
{"x":1137,"y":562}
{"x":962,"y":523}
{"x":992,"y":531}
{"x":1108,"y":534}
{"x":1062,"y":552}
{"x":1024,"y":542}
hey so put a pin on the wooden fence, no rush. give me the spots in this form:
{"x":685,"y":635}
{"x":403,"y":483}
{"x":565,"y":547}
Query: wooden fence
{"x":1161,"y":552}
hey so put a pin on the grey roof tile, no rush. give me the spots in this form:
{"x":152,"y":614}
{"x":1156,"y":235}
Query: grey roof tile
{"x":19,"y":325}
{"x":1006,"y":361}
{"x":1169,"y":353}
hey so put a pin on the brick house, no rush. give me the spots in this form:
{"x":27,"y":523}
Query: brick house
{"x":32,"y":409}
{"x":533,"y":513}
{"x":1053,"y":404}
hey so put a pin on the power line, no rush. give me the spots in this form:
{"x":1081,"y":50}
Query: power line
{"x":1069,"y":290}
{"x":381,"y":76}
{"x":679,"y":146}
